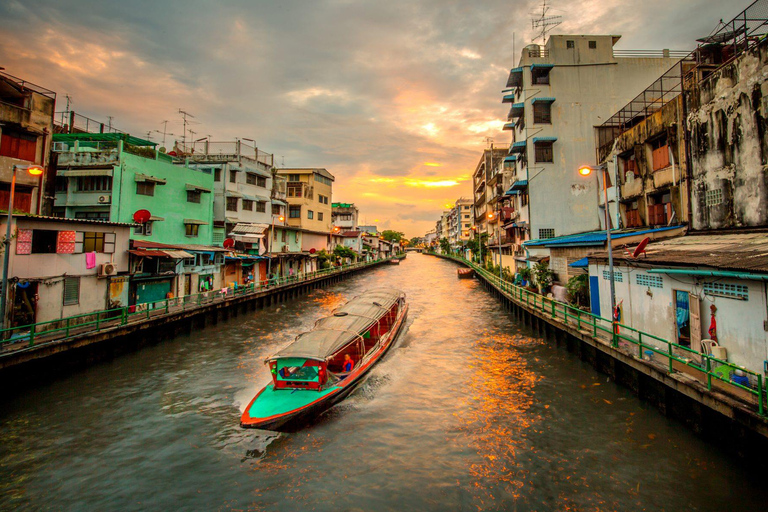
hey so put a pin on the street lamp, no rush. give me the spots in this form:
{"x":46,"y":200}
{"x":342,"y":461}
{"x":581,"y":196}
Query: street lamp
{"x":586,"y":170}
{"x":33,"y":170}
{"x":271,"y":237}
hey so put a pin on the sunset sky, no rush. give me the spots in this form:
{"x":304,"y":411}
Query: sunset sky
{"x":393,"y":97}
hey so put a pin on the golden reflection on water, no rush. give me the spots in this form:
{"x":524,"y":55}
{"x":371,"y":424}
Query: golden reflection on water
{"x":497,"y":416}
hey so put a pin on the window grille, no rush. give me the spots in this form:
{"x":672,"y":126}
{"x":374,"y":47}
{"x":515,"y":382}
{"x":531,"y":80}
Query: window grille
{"x":649,"y":281}
{"x":731,"y":291}
{"x":546,"y":233}
{"x":714,"y":197}
{"x":618,"y":277}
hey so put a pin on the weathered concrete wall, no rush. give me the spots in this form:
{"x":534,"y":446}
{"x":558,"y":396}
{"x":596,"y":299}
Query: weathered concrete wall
{"x":729,"y":146}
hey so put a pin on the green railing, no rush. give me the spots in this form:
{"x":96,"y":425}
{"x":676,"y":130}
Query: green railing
{"x":24,"y":336}
{"x":716,"y":373}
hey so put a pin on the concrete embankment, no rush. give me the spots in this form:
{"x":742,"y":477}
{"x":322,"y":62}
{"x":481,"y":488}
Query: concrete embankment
{"x":57,"y":355}
{"x":723,"y":418}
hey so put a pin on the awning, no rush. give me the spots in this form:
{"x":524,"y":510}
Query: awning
{"x":509,"y":126}
{"x":279,"y":201}
{"x":155,"y":218}
{"x":519,"y":185}
{"x":258,"y":172}
{"x":508,"y":98}
{"x":197,"y":188}
{"x":143,"y":178}
{"x":248,"y":239}
{"x":262,"y":199}
{"x":85,"y":172}
{"x":543,"y":100}
{"x":582,"y":263}
{"x":231,"y":193}
{"x":248,"y":228}
{"x":195,"y":221}
{"x":511,"y":192}
{"x":178,"y":254}
{"x":510,"y":158}
{"x":515,"y":77}
{"x":517,"y":147}
{"x":516,"y":110}
{"x":148,"y":254}
{"x":543,"y":140}
{"x":542,"y":66}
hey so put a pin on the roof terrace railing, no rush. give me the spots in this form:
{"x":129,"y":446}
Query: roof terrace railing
{"x":211,"y":150}
{"x":24,"y":84}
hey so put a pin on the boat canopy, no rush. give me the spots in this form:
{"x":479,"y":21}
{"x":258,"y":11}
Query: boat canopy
{"x":348,"y":323}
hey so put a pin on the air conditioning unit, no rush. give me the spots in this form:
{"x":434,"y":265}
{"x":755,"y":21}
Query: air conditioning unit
{"x":105,"y":199}
{"x":107,"y":269}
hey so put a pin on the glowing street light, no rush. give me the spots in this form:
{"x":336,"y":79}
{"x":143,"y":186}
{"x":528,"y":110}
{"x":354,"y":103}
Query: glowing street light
{"x":33,"y":170}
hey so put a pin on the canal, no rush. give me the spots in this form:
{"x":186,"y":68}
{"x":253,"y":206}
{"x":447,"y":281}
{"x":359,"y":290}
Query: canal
{"x":469,"y":411}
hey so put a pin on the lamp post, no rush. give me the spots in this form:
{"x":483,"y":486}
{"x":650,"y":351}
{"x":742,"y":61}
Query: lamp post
{"x":34,"y":170}
{"x":271,"y":237}
{"x":586,"y":170}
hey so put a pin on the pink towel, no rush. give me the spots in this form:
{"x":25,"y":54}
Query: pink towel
{"x":90,"y":259}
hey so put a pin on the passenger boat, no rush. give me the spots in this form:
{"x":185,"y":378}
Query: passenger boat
{"x":308,"y":375}
{"x":465,"y":273}
{"x":394,"y":261}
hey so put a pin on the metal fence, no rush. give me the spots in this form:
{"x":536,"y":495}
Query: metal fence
{"x":715,"y":373}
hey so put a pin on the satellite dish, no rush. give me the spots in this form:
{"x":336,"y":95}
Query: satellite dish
{"x":141,"y":216}
{"x":228,"y":243}
{"x":640,"y":249}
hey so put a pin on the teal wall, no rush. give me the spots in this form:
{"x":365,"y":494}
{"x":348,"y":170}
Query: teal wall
{"x":169,"y":201}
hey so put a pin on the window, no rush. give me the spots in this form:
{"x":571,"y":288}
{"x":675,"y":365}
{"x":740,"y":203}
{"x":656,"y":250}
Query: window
{"x":17,"y":144}
{"x":293,"y":177}
{"x":714,"y":197}
{"x":143,"y":229}
{"x":189,"y":262}
{"x":261,"y":181}
{"x":247,"y":205}
{"x":649,"y":281}
{"x":731,"y":291}
{"x":71,"y":291}
{"x":233,"y":176}
{"x":250,"y":178}
{"x":542,"y":112}
{"x":323,"y":179}
{"x":283,"y":236}
{"x":217,"y":175}
{"x":294,"y":190}
{"x":276,"y":209}
{"x":192,"y":229}
{"x":218,"y":236}
{"x":193,"y":196}
{"x":319,"y":215}
{"x":546,"y":233}
{"x":294,"y":212}
{"x":570,"y":44}
{"x":540,"y":76}
{"x":231,"y":204}
{"x":261,"y":206}
{"x":660,"y":153}
{"x":145,"y":188}
{"x":44,"y":241}
{"x":94,"y":183}
{"x":592,"y":45}
{"x":618,"y":277}
{"x":62,"y":184}
{"x":310,"y":214}
{"x":93,"y":242}
{"x":92,"y":215}
{"x":544,"y":152}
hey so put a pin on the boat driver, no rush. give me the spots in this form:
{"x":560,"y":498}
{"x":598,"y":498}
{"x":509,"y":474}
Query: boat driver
{"x":348,"y":363}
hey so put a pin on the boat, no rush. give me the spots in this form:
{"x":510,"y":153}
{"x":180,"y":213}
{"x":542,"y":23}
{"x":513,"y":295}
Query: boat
{"x":465,"y":273}
{"x":308,"y":376}
{"x":394,"y":261}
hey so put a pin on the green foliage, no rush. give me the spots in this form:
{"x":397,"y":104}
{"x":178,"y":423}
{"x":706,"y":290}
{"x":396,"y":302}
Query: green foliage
{"x":445,"y":245}
{"x":525,"y":273}
{"x":578,"y":289}
{"x":543,"y":275}
{"x":344,"y":252}
{"x":323,"y":259}
{"x":392,"y":236}
{"x":413,"y":242}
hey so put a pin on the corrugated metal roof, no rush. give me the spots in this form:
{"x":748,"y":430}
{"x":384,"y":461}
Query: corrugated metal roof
{"x":148,"y":244}
{"x":593,"y":238}
{"x":249,"y":228}
{"x":67,"y":219}
{"x":148,"y":254}
{"x":536,"y":140}
{"x":543,"y":100}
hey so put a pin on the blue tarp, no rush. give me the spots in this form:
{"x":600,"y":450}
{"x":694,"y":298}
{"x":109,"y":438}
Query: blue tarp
{"x":582,"y":263}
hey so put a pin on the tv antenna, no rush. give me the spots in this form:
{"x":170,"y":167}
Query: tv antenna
{"x":489,"y":142}
{"x":66,"y":112}
{"x":544,"y":23}
{"x":109,"y":122}
{"x":184,"y":116}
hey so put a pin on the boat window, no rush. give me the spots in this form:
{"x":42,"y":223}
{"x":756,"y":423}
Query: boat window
{"x":304,"y":373}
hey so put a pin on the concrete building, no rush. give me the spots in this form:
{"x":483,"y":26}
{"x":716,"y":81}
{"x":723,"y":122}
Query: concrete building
{"x":110,"y":176}
{"x":374,"y":230}
{"x":353,"y":240}
{"x":558,"y":93}
{"x":309,"y":198}
{"x":65,"y":267}
{"x":461,"y":222}
{"x":344,"y":216}
{"x":488,"y":168}
{"x":26,"y":126}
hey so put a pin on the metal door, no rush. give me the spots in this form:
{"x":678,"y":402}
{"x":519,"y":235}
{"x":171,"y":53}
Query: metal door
{"x":594,"y":295}
{"x":695,"y":315}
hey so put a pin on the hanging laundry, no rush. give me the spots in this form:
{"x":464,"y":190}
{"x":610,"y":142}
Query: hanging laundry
{"x":90,"y":260}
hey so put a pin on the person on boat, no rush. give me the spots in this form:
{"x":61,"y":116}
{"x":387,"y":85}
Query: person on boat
{"x":348,"y":363}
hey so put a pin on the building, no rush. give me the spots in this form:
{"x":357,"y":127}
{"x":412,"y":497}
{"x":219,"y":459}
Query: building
{"x":65,"y":267}
{"x":374,"y":230}
{"x":486,"y":189}
{"x":353,"y":240}
{"x":460,"y":223}
{"x":110,"y":176}
{"x":309,"y":193}
{"x":26,"y":126}
{"x":558,"y":93}
{"x":344,"y":216}
{"x":242,"y":193}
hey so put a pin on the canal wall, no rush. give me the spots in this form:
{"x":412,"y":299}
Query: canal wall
{"x":56,"y":357}
{"x":722,"y":419}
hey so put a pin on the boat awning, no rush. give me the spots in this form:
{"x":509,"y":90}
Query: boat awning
{"x":84,"y":172}
{"x":517,"y":147}
{"x":509,"y":126}
{"x":145,"y":178}
{"x":582,"y":263}
{"x":197,"y":188}
{"x":519,"y":185}
{"x":515,"y":77}
{"x":348,"y":323}
{"x":543,"y":100}
{"x":508,"y":98}
{"x":510,"y":159}
{"x":195,"y":221}
{"x":178,"y":254}
{"x":544,"y":140}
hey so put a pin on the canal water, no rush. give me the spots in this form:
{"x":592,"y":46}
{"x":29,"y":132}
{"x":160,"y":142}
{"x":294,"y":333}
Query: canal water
{"x":469,"y":411}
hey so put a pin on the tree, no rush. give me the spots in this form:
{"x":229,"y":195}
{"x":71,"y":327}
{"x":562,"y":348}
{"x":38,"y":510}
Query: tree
{"x":445,"y":245}
{"x":414,"y":241}
{"x":344,"y":252}
{"x":392,"y":236}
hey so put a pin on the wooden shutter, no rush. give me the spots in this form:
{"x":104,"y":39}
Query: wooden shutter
{"x":109,"y":243}
{"x":65,"y":242}
{"x":71,"y":291}
{"x":695,"y":324}
{"x":79,"y":236}
{"x":24,"y":241}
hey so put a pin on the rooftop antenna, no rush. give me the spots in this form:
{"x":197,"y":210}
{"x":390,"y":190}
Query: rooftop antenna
{"x":544,"y":23}
{"x":109,"y":122}
{"x":185,"y":115}
{"x":165,"y":129}
{"x":66,"y":112}
{"x":489,"y":142}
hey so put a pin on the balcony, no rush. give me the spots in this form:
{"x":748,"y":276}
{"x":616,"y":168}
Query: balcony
{"x":299,"y":189}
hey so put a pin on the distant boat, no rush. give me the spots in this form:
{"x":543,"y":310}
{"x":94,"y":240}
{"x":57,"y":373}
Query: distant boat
{"x":465,"y":273}
{"x":394,"y":261}
{"x":308,"y":375}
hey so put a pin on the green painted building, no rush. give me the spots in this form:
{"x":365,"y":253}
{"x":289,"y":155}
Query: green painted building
{"x":110,"y":176}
